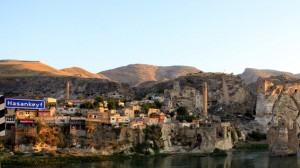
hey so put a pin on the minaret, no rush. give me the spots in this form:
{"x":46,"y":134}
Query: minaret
{"x":68,"y":90}
{"x":205,"y":99}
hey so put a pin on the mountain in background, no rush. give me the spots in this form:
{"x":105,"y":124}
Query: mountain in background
{"x":135,"y":74}
{"x":251,"y":75}
{"x":14,"y":68}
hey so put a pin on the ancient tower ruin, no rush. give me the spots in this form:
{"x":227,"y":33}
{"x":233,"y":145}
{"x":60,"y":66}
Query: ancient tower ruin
{"x":282,"y":140}
{"x":67,"y":90}
{"x":205,"y":95}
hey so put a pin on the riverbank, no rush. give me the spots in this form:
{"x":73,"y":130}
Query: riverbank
{"x":251,"y":145}
{"x":48,"y":159}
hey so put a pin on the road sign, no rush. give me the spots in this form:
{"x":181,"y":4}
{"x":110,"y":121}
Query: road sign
{"x":24,"y":103}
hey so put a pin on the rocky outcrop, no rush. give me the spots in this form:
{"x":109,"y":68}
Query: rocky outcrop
{"x":32,"y":87}
{"x":136,"y":74}
{"x":228,"y":95}
{"x":277,"y":98}
{"x":277,"y":112}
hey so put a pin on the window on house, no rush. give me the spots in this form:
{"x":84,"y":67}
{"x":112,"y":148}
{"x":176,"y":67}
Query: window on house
{"x":21,"y":113}
{"x":27,"y":112}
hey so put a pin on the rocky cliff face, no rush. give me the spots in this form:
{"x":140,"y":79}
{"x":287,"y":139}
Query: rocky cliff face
{"x":278,"y":98}
{"x":136,"y":74}
{"x":227,"y":94}
{"x":31,"y":87}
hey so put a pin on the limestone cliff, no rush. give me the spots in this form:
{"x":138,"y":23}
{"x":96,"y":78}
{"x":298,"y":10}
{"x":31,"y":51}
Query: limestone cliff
{"x":278,"y":98}
{"x":40,"y":87}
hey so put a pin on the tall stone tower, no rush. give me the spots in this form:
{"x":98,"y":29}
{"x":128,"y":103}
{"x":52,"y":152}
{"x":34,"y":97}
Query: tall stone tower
{"x":205,"y":95}
{"x":67,"y":90}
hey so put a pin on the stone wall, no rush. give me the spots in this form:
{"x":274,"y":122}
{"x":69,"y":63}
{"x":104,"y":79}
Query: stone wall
{"x":201,"y":139}
{"x":25,"y":132}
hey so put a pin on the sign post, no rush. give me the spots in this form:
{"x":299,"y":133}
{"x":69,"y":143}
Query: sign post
{"x":2,"y":116}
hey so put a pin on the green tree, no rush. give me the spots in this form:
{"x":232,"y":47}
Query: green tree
{"x":111,"y":105}
{"x":147,"y":106}
{"x":158,"y":104}
{"x":87,"y":105}
{"x":99,"y":99}
{"x":160,"y":91}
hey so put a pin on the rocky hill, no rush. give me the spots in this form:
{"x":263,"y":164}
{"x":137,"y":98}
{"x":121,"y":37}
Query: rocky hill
{"x":28,"y":68}
{"x":136,"y":74}
{"x":10,"y":68}
{"x":251,"y":75}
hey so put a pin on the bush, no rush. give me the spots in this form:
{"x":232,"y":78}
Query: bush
{"x":239,"y":133}
{"x":232,"y":136}
{"x":182,"y":111}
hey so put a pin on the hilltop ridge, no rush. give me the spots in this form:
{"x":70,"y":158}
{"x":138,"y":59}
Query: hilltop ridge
{"x":135,"y":74}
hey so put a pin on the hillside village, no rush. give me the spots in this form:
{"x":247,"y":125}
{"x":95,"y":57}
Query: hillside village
{"x":193,"y":113}
{"x":178,"y":120}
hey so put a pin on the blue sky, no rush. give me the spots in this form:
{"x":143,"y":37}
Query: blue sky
{"x":212,"y":35}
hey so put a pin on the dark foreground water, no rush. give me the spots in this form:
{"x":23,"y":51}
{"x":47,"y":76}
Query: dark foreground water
{"x":245,"y":159}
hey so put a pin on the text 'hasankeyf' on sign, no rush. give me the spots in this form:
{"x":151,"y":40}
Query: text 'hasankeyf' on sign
{"x":24,"y":103}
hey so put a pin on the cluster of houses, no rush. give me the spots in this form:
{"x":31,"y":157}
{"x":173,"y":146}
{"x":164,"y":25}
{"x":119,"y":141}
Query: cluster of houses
{"x":76,"y":121}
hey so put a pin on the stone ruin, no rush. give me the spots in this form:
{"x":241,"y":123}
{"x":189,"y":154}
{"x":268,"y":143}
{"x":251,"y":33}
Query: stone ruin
{"x":282,"y":139}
